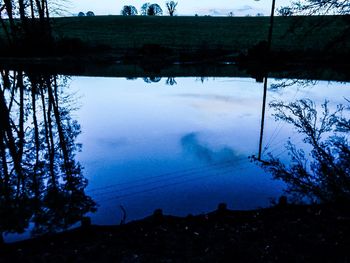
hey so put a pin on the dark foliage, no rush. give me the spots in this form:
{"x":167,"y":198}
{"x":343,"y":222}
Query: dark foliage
{"x":24,"y":18}
{"x":321,"y":7}
{"x":129,"y":10}
{"x":144,"y":8}
{"x":90,"y":13}
{"x":154,"y":10}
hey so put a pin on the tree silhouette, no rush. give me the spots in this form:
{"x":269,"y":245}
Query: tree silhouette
{"x":27,"y":19}
{"x":323,"y":174}
{"x":90,"y":13}
{"x":154,"y":10}
{"x":144,"y":9}
{"x":285,"y":11}
{"x":152,"y":79}
{"x":321,"y":7}
{"x":171,"y":81}
{"x":129,"y":10}
{"x":171,"y":6}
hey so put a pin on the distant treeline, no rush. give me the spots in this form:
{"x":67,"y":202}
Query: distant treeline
{"x":149,"y":9}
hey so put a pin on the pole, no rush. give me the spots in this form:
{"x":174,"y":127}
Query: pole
{"x":262,"y":119}
{"x":272,"y":17}
{"x":269,"y":42}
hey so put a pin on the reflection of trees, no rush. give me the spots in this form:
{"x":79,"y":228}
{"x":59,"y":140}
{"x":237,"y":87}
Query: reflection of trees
{"x":171,"y":81}
{"x":40,"y":181}
{"x":324,"y":173}
{"x":285,"y":83}
{"x":152,"y":79}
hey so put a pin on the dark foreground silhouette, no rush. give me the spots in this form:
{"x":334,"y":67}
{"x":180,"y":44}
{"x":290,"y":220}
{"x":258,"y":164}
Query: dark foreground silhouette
{"x":284,"y":233}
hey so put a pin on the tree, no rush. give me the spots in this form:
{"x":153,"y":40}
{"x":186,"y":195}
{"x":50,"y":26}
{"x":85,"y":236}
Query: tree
{"x":144,"y":9}
{"x":21,"y":27}
{"x":129,"y":10}
{"x":171,"y":6}
{"x":90,"y":13}
{"x":154,"y":10}
{"x":285,"y":11}
{"x":323,"y":174}
{"x":341,"y":7}
{"x":81,"y":14}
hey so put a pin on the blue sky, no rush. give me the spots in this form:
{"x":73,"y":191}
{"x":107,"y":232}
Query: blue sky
{"x":185,"y":7}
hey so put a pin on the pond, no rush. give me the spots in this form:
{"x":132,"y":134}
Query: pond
{"x":180,"y":144}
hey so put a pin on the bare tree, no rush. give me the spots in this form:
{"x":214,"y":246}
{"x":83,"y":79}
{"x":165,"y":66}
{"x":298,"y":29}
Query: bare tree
{"x":285,"y":11}
{"x":308,"y":7}
{"x":171,"y":6}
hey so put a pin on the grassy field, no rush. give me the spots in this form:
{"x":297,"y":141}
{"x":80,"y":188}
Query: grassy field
{"x":236,"y":34}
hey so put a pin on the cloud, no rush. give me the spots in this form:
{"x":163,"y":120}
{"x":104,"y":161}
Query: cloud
{"x":191,"y":145}
{"x":245,"y":8}
{"x":210,"y":97}
{"x":240,"y":11}
{"x":210,"y":104}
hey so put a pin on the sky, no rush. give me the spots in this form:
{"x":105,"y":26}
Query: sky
{"x":185,"y":7}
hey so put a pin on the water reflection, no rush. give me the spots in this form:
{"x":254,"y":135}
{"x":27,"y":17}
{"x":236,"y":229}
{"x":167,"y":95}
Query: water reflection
{"x":152,"y":79}
{"x":41,"y":182}
{"x":320,"y":172}
{"x":184,"y":149}
{"x":171,"y":81}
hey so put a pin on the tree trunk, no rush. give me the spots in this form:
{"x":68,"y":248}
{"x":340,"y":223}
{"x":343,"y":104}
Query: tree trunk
{"x":32,"y":9}
{"x":9,"y":11}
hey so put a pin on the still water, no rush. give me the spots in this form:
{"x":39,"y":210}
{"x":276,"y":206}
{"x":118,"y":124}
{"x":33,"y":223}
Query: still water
{"x":185,"y":147}
{"x":182,"y":145}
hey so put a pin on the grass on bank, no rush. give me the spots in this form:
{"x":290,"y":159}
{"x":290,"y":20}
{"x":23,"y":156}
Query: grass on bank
{"x":236,"y":34}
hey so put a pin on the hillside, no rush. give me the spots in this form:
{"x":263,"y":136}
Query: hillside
{"x":236,"y":34}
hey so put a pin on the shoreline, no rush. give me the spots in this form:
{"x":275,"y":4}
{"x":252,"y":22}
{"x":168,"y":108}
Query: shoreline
{"x":282,"y":233}
{"x":89,"y":66}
